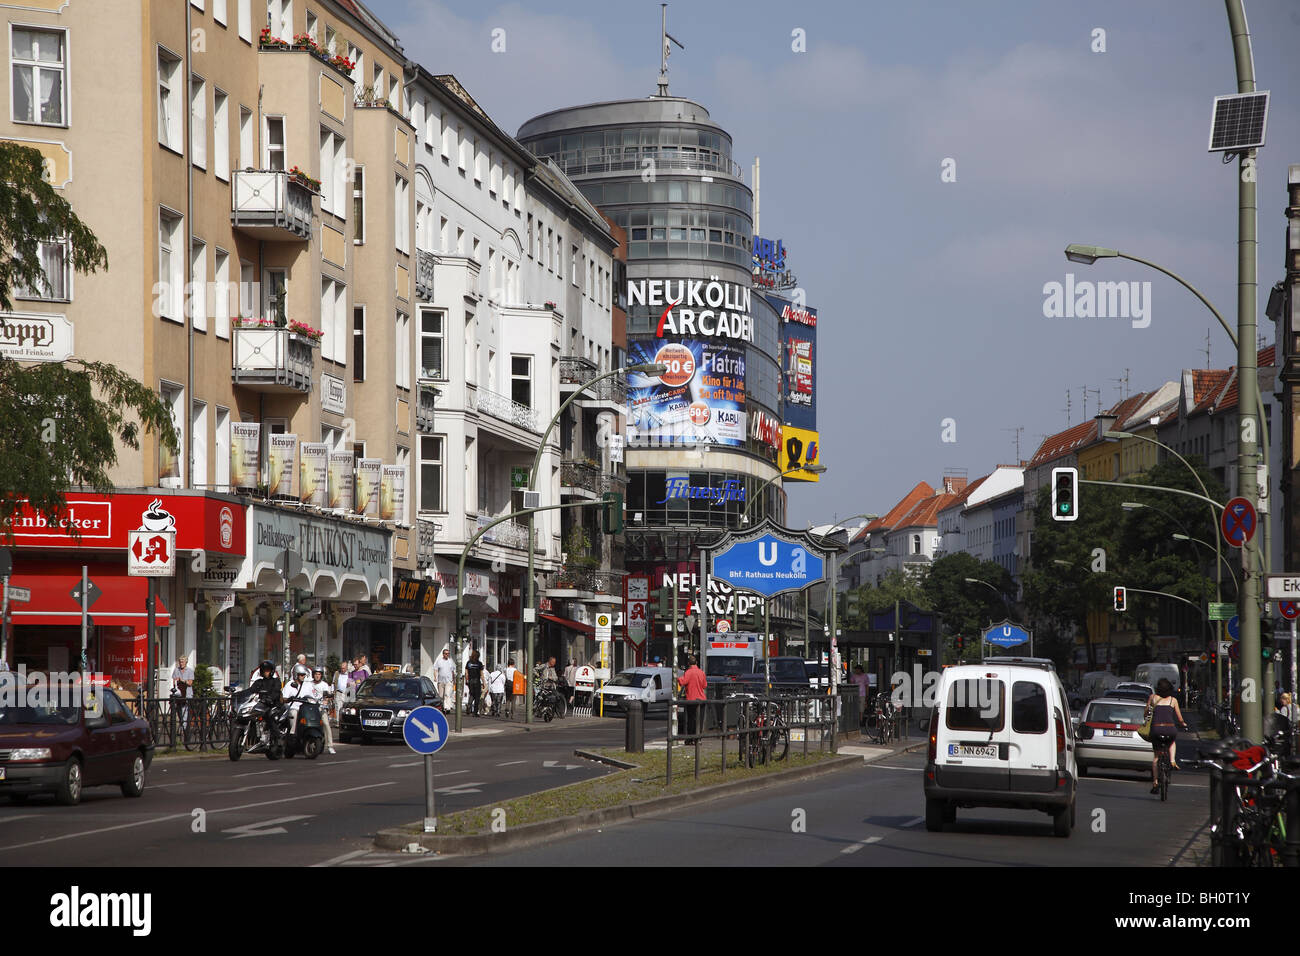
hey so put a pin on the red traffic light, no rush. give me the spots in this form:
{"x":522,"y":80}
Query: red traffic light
{"x":1121,"y":599}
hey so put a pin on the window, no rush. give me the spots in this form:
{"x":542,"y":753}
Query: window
{"x":171,"y":267}
{"x":358,"y":343}
{"x":377,"y":84}
{"x":975,"y":705}
{"x":274,"y":292}
{"x":57,"y":284}
{"x":447,"y":134}
{"x":494,"y":186}
{"x":169,"y":100}
{"x":359,"y":205}
{"x":220,"y":135}
{"x":521,"y":379}
{"x":312,"y":26}
{"x":198,"y":122}
{"x":199,"y":285}
{"x":403,"y":350}
{"x":198,"y":4}
{"x":430,"y":473}
{"x":1028,"y":707}
{"x":273,"y":156}
{"x":221,"y":292}
{"x":402,"y":197}
{"x":247,"y":297}
{"x":170,"y":474}
{"x":246,"y":160}
{"x":199,"y":429}
{"x":916,"y":544}
{"x":219,"y":11}
{"x":245,"y":20}
{"x":221,"y":448}
{"x":404,"y":463}
{"x":460,"y":241}
{"x":442,"y":233}
{"x":573,"y":265}
{"x":279,"y":17}
{"x":355,"y":54}
{"x":333,"y":303}
{"x":37,"y":57}
{"x":395,"y":94}
{"x":478,"y":166}
{"x":332,"y":187}
{"x":430,"y":344}
{"x":463,"y":149}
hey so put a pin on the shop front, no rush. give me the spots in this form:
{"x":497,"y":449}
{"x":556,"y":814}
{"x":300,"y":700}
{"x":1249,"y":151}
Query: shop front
{"x":489,"y":632}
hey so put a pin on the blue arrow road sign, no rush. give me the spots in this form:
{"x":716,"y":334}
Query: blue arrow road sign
{"x":1006,"y":634}
{"x":425,"y":730}
{"x":1232,"y":628}
{"x":769,"y":563}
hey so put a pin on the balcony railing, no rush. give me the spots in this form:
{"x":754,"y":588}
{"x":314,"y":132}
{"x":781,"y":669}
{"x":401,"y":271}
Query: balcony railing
{"x":271,"y":204}
{"x":575,"y":370}
{"x":610,"y":482}
{"x":508,"y":534}
{"x":272,"y":360}
{"x":592,"y":580}
{"x":580,"y":474}
{"x":424,"y":275}
{"x":501,"y":407}
{"x":613,"y":159}
{"x":424,"y":410}
{"x":424,"y":546}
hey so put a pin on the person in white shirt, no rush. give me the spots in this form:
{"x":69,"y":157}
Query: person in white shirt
{"x":300,"y":684}
{"x":444,"y":673}
{"x":321,"y":692}
{"x":497,"y":688}
{"x":341,"y":688}
{"x":510,"y":689}
{"x":183,"y":678}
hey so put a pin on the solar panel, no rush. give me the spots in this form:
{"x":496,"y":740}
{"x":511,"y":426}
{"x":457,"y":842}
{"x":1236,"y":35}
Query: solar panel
{"x":1239,"y":122}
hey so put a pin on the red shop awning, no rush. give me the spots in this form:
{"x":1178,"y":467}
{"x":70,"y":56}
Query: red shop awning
{"x":121,"y":601}
{"x":571,"y":625}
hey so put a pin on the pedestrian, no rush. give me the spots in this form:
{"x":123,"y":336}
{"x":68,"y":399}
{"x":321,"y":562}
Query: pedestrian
{"x":444,"y":674}
{"x":183,"y":678}
{"x":321,"y":693}
{"x":548,"y":672}
{"x":474,"y":681}
{"x":694,"y":683}
{"x":570,"y":678}
{"x":365,"y":666}
{"x":341,"y":687}
{"x":862,"y":681}
{"x":510,"y":689}
{"x":497,"y":688}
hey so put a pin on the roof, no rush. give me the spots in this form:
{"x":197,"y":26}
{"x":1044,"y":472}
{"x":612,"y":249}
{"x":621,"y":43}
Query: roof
{"x":960,"y":497}
{"x":1206,"y":385}
{"x":1228,"y":397}
{"x":1063,"y":443}
{"x":919,"y":493}
{"x":926,"y":513}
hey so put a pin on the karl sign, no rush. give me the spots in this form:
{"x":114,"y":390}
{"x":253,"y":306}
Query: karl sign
{"x":769,"y":560}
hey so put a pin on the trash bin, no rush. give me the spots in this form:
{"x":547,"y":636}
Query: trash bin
{"x":634,"y":730}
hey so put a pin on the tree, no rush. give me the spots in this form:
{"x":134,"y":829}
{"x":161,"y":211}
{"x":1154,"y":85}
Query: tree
{"x":60,"y":422}
{"x":968,"y":608}
{"x":896,"y":587}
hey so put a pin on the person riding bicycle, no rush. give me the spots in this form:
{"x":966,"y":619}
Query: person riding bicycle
{"x":1166,"y":718}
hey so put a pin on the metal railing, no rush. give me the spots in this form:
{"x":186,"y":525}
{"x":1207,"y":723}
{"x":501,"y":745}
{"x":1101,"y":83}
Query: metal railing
{"x":510,"y":534}
{"x":426,"y":541}
{"x":575,"y":370}
{"x":580,"y":474}
{"x":271,"y":199}
{"x":501,"y":407}
{"x":424,"y":275}
{"x":272,"y":357}
{"x":611,"y":482}
{"x":194,"y":723}
{"x":425,"y":409}
{"x":614,"y":160}
{"x":593,"y":580}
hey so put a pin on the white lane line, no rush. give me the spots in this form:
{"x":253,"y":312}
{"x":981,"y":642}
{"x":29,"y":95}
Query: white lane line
{"x":450,"y":773}
{"x":409,"y":763}
{"x":511,"y":763}
{"x":164,"y":786}
{"x":877,"y":766}
{"x":339,"y":860}
{"x":255,"y":786}
{"x":860,"y":844}
{"x":21,"y":816}
{"x":255,"y":773}
{"x":335,"y":763}
{"x":911,"y":823}
{"x":187,"y":815}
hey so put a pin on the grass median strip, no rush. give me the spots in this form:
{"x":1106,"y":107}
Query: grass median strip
{"x":616,"y":789}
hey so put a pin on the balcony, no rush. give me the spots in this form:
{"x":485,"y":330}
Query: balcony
{"x":576,"y":582}
{"x":427,"y":532}
{"x":423,"y":275}
{"x":271,"y":205}
{"x":501,"y":407}
{"x":272,"y":360}
{"x":609,"y":482}
{"x":576,"y":372}
{"x":424,"y":409}
{"x":579,"y":478}
{"x":508,"y":534}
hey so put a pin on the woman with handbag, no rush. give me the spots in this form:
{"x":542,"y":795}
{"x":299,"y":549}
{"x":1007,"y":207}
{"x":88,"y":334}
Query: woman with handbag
{"x":1163,"y":720}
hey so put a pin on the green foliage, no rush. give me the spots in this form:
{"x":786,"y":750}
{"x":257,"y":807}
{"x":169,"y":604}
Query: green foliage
{"x":577,"y":545}
{"x":60,"y":422}
{"x":896,"y":586}
{"x":203,"y":686}
{"x":969,"y":608}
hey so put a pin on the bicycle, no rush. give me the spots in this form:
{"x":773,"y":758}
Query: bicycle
{"x":218,"y":730}
{"x":882,"y":726}
{"x":1163,"y":771}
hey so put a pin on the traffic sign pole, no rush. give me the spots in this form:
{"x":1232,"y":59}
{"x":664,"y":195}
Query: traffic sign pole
{"x":426,"y":732}
{"x":430,"y":813}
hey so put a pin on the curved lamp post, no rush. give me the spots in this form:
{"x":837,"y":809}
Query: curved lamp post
{"x":811,"y":469}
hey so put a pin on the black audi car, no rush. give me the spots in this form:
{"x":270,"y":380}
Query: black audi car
{"x":382,"y":705}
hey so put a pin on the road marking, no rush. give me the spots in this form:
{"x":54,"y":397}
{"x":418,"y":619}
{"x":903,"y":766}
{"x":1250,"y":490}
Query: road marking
{"x":164,"y":786}
{"x":511,"y":763}
{"x":911,"y":823}
{"x":255,"y":773}
{"x":462,"y":788}
{"x":556,"y":765}
{"x":860,"y":844}
{"x":485,"y":732}
{"x":336,"y":861}
{"x":450,"y":773}
{"x":336,"y":763}
{"x":186,"y":815}
{"x":409,"y":763}
{"x":255,"y":786}
{"x":257,"y":829}
{"x":21,"y":816}
{"x":879,"y":766}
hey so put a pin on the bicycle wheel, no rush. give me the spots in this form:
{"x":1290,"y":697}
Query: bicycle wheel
{"x":219,"y":730}
{"x":1164,"y":775}
{"x":191,"y":725}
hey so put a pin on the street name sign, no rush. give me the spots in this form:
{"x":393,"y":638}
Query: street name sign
{"x":1222,"y":612}
{"x":1284,"y":587}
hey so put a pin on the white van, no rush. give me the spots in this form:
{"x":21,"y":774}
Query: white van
{"x":1152,"y":672}
{"x":651,"y":685}
{"x":1000,"y":736}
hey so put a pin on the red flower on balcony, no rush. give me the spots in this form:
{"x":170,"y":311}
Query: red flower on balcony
{"x":304,"y":179}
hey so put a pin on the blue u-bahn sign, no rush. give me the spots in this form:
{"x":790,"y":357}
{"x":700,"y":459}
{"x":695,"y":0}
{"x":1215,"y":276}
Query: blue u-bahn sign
{"x":1006,"y":634}
{"x":769,"y":560}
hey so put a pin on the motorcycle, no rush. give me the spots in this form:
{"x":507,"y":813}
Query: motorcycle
{"x":252,"y":713}
{"x":302,"y":730}
{"x":549,"y":702}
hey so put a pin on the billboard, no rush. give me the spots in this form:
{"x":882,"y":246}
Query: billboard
{"x":798,"y":361}
{"x":699,"y":398}
{"x":799,"y":446}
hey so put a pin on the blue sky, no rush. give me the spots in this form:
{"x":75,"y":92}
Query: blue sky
{"x":930,"y":293}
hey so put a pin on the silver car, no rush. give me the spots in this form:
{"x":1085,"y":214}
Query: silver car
{"x":1108,"y":736}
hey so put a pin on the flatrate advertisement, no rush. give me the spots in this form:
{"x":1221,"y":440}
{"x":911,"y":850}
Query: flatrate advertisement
{"x":699,"y":398}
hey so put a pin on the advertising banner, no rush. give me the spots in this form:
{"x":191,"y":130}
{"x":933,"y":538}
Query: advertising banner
{"x":314,"y":473}
{"x":798,"y":371}
{"x":799,"y":446}
{"x":392,"y":493}
{"x":699,"y":398}
{"x":340,"y":482}
{"x":282,"y":465}
{"x":245,"y":442}
{"x":103,"y":522}
{"x":369,"y":473}
{"x":798,"y":361}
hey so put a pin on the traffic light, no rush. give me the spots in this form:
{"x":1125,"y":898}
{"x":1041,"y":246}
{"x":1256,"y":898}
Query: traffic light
{"x":462,"y":620}
{"x":961,"y":643}
{"x":611,"y":512}
{"x":852,"y":604}
{"x":665,"y":598}
{"x":1214,"y":657}
{"x":1065,"y":494}
{"x":1121,"y":599}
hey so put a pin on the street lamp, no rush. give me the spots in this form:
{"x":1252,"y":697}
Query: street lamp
{"x":1208,"y":546}
{"x":645,"y":368}
{"x":832,"y":592}
{"x":811,"y":469}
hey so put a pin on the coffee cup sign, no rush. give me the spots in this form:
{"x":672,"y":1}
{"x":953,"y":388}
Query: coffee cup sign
{"x":151,"y":550}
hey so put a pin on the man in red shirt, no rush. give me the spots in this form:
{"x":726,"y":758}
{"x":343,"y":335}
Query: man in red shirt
{"x":693,"y":682}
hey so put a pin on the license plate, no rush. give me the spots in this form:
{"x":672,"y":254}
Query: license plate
{"x":2,"y":773}
{"x":1117,"y":733}
{"x":374,"y":723}
{"x":973,"y":750}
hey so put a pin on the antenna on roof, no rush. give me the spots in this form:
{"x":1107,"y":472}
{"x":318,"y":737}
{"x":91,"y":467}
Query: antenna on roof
{"x":665,"y":49}
{"x":1095,"y":391}
{"x":1018,"y":429}
{"x":1067,"y":408}
{"x":1207,"y":347}
{"x":1122,"y":384}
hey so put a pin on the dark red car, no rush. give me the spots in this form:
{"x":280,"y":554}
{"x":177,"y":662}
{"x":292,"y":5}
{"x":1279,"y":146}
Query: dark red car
{"x":64,"y":749}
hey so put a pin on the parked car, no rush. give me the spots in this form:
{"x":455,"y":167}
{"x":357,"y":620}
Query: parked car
{"x":383,"y":702}
{"x":63,"y":750}
{"x":790,"y":675}
{"x":653,"y":685}
{"x":1000,"y":736}
{"x":1135,"y":686}
{"x":1095,"y":684}
{"x":1108,"y":736}
{"x":1132,"y":692}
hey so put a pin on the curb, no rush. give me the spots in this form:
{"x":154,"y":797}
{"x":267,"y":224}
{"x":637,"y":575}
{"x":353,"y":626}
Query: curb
{"x":600,"y":758}
{"x":397,"y":839}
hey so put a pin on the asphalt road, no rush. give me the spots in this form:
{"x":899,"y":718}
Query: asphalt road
{"x":872,"y":816}
{"x":212,"y":812}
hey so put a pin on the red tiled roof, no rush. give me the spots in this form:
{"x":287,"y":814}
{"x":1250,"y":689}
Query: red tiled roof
{"x":926,"y":513}
{"x":1207,"y":384}
{"x":1125,"y":408}
{"x":1228,"y":399}
{"x":1062,"y":443}
{"x":891,"y":518}
{"x":960,"y":497}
